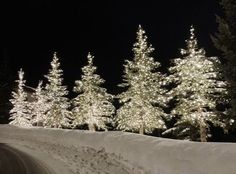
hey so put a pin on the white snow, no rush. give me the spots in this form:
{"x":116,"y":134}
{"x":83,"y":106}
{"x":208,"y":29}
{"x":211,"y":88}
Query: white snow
{"x":74,"y":151}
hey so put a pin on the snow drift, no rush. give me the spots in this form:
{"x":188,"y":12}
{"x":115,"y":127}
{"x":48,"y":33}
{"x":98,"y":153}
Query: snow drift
{"x":74,"y":151}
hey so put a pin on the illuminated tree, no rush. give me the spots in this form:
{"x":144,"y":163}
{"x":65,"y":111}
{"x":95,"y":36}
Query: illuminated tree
{"x":199,"y":85}
{"x":20,"y":113}
{"x":39,"y":106}
{"x":225,"y":41}
{"x":142,"y":102}
{"x":58,"y":114}
{"x":93,"y":105}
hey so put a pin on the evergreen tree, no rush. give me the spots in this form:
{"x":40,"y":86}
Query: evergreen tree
{"x":58,"y":114}
{"x":225,"y":41}
{"x":93,"y":105}
{"x":199,"y":85}
{"x":142,"y":102}
{"x":20,"y":113}
{"x":39,"y":106}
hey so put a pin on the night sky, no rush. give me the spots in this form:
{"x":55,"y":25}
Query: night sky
{"x":32,"y":30}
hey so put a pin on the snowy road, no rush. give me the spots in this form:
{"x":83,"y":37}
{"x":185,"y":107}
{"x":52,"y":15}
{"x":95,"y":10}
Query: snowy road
{"x":13,"y":161}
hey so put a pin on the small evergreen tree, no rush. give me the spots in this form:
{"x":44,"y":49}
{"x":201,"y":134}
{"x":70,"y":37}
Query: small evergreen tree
{"x":39,"y":106}
{"x":20,"y":113}
{"x":58,"y":114}
{"x":93,"y":105}
{"x":225,"y":41}
{"x":199,"y":85}
{"x":144,"y":98}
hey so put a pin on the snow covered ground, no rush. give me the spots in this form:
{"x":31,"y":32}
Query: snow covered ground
{"x":81,"y":152}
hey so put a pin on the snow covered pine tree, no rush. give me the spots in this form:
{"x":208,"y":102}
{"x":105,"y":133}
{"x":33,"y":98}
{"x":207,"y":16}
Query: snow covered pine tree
{"x":58,"y":114}
{"x":93,"y":105}
{"x":142,"y":102}
{"x":20,"y":113}
{"x":199,"y":85}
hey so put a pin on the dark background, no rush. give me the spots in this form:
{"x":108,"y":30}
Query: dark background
{"x":32,"y":30}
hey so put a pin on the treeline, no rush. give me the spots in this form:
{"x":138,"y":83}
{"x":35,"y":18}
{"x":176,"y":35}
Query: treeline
{"x":194,"y":86}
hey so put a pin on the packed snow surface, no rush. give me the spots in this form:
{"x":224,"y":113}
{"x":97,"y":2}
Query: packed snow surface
{"x":81,"y":152}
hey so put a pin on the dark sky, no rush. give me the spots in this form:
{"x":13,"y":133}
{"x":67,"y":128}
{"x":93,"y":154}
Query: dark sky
{"x":32,"y":30}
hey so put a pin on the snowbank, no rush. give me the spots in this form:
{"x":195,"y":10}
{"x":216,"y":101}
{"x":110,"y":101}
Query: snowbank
{"x":126,"y":152}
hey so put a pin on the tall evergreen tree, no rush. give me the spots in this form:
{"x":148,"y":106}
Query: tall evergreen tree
{"x":39,"y":106}
{"x":58,"y":114}
{"x":20,"y":113}
{"x":142,"y":102}
{"x":199,"y":85}
{"x":93,"y":105}
{"x":225,"y":41}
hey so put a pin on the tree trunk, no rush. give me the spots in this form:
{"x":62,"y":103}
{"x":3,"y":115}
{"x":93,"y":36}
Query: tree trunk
{"x":203,"y":128}
{"x":141,"y":129}
{"x":92,"y":127}
{"x":203,"y":132}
